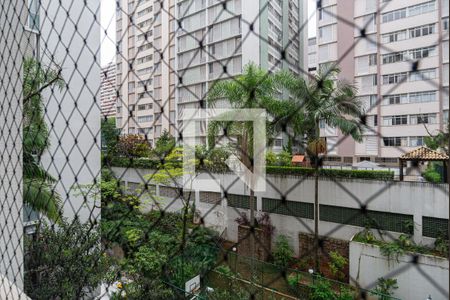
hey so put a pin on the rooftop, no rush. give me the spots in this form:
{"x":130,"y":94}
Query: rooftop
{"x":424,"y":153}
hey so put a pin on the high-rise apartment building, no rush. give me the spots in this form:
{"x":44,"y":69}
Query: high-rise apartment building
{"x":108,"y":90}
{"x":201,"y":41}
{"x":145,"y":64}
{"x":404,"y":101}
{"x":218,"y":38}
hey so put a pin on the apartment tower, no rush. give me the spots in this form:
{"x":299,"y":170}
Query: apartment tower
{"x":218,"y":38}
{"x":201,"y":41}
{"x":404,"y":101}
{"x":145,"y":67}
{"x":108,"y":90}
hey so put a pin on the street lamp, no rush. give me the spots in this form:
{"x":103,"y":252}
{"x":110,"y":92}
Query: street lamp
{"x":235,"y":259}
{"x":311,"y":272}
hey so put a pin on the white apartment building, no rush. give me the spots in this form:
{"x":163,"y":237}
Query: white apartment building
{"x":145,"y":64}
{"x":402,"y":102}
{"x":202,"y":41}
{"x":108,"y":90}
{"x":218,"y":38}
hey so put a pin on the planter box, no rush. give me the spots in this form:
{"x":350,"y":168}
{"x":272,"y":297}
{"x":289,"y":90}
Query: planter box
{"x":367,"y":264}
{"x":262,"y":243}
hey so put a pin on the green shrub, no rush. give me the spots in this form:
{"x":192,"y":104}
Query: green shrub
{"x":386,"y":287}
{"x":164,"y":144}
{"x":216,"y":163}
{"x":140,"y":163}
{"x":432,"y":176}
{"x":271,"y":158}
{"x":362,"y":174}
{"x":133,"y":145}
{"x":337,"y":265}
{"x":64,"y":262}
{"x":441,"y":244}
{"x":216,"y":160}
{"x":293,"y":280}
{"x":283,"y":253}
{"x":284,"y":158}
{"x":321,"y":290}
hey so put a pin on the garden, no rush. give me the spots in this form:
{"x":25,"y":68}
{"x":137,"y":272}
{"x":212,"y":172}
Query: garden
{"x":159,"y":251}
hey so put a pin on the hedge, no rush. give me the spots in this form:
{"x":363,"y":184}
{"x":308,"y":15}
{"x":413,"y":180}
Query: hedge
{"x":363,"y":174}
{"x":126,"y":162}
{"x":146,"y":163}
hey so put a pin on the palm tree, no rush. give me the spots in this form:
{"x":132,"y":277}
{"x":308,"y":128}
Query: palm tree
{"x":38,"y":184}
{"x":325,"y":99}
{"x":255,"y":88}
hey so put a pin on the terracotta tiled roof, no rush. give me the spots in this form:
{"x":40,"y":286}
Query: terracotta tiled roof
{"x":298,"y":158}
{"x":424,"y":153}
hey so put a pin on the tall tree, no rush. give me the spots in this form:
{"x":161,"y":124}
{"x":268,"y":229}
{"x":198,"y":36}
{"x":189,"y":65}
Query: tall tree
{"x":326,"y":99}
{"x":66,"y":262}
{"x":439,"y":141}
{"x":110,"y":135}
{"x":38,"y":184}
{"x":255,"y":88}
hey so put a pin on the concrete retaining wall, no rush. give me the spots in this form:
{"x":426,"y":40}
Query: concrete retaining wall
{"x":410,"y":198}
{"x":415,"y":281}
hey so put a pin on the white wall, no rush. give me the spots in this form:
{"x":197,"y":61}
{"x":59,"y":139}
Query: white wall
{"x":12,"y":44}
{"x":417,"y":199}
{"x":430,"y":277}
{"x":74,"y":140}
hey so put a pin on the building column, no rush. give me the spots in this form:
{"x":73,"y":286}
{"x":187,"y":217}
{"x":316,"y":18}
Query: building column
{"x":401,"y":169}
{"x":445,"y":171}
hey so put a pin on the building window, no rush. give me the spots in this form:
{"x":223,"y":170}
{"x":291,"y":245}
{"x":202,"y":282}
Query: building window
{"x":394,"y":15}
{"x":422,"y":30}
{"x":394,"y":57}
{"x":445,"y":24}
{"x":394,"y":78}
{"x":422,"y":52}
{"x":395,"y":141}
{"x":419,"y":97}
{"x":395,"y":120}
{"x":372,"y":100}
{"x":395,"y":99}
{"x":145,"y":106}
{"x":33,"y":14}
{"x":131,"y":87}
{"x":145,"y":119}
{"x":422,"y":8}
{"x":372,"y":60}
{"x":416,"y":141}
{"x":364,"y":158}
{"x":422,"y":75}
{"x":369,"y":81}
{"x":145,"y":130}
{"x":423,"y":119}
{"x":394,"y":36}
{"x":322,"y":124}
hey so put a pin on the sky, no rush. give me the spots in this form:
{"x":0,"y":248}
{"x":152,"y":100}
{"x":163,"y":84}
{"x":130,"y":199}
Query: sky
{"x":108,"y":23}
